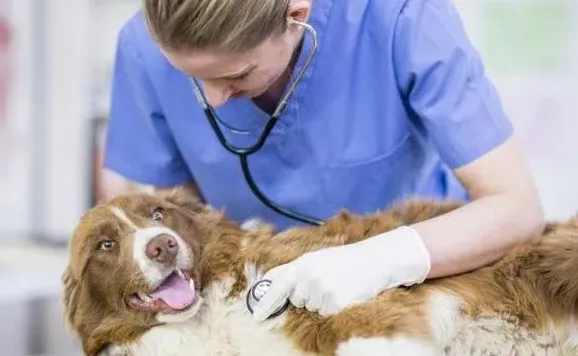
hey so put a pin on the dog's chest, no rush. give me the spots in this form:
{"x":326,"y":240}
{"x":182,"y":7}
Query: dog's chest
{"x":221,"y":328}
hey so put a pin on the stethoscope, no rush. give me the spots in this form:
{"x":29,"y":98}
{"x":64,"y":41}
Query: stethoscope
{"x":244,"y":152}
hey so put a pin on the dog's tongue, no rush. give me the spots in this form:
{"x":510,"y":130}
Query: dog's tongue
{"x":175,"y":292}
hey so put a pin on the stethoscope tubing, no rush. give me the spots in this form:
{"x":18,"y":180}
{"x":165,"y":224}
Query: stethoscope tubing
{"x":244,"y":152}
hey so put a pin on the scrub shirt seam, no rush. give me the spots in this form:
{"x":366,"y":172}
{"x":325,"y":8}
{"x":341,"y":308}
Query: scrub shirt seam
{"x":493,"y":142}
{"x":303,"y":91}
{"x":135,"y":173}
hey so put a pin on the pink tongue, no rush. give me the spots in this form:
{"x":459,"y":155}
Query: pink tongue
{"x":175,"y":292}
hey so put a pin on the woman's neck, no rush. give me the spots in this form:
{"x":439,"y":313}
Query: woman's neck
{"x":269,"y":100}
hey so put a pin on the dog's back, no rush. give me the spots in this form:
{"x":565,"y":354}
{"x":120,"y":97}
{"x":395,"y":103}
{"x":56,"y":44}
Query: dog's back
{"x":525,"y":304}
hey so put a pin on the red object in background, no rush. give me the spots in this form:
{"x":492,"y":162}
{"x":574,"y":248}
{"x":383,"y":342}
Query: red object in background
{"x":6,"y":69}
{"x":5,"y":64}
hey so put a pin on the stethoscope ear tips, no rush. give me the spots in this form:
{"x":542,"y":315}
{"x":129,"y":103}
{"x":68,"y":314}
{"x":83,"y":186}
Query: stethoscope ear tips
{"x":292,"y":21}
{"x":256,"y":292}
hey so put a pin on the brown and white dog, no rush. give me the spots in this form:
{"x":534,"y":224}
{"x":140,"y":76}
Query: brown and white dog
{"x":165,"y":275}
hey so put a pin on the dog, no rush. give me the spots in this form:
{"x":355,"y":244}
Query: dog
{"x":153,"y":274}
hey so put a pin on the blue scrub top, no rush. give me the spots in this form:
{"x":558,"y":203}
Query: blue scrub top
{"x":395,"y":98}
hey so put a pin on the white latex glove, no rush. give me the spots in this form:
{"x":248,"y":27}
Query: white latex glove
{"x":330,"y":279}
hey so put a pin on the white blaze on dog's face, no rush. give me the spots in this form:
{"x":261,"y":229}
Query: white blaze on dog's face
{"x":164,"y":263}
{"x":134,"y":263}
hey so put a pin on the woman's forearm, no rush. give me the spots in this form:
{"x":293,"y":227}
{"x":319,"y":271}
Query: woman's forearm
{"x":480,"y":232}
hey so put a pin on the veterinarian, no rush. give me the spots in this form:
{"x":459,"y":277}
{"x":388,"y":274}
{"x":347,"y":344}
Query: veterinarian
{"x":393,"y":103}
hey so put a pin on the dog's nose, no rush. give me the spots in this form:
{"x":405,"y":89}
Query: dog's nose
{"x":163,"y":249}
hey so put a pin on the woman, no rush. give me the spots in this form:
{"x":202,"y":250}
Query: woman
{"x":395,"y":103}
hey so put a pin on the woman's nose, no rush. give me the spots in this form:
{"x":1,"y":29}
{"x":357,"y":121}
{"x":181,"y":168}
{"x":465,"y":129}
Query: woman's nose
{"x":217,"y":94}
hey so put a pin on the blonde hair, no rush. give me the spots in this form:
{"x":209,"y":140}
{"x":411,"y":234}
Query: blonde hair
{"x":225,"y":25}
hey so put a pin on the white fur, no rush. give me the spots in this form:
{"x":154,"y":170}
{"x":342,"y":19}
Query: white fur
{"x":123,"y":217}
{"x":444,"y":311}
{"x":221,"y":327}
{"x":112,"y":350}
{"x":153,"y":272}
{"x":501,"y":335}
{"x":251,"y":224}
{"x":486,"y":335}
{"x":570,"y":347}
{"x":399,"y":346}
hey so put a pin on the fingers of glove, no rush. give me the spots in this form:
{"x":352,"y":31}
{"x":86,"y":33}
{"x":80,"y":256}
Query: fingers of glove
{"x":329,"y":307}
{"x":314,"y":300}
{"x":299,"y":295}
{"x":282,"y":284}
{"x":333,"y":305}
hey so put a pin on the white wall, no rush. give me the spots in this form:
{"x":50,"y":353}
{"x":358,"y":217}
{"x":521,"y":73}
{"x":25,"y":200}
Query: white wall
{"x":68,"y":74}
{"x":540,"y":100}
{"x":15,"y":139}
{"x":41,"y":182}
{"x":61,"y":82}
{"x":109,"y":16}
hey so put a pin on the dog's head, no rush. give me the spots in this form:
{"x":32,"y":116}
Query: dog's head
{"x":135,"y":263}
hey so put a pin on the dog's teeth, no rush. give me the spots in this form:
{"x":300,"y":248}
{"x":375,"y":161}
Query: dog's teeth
{"x":180,"y":273}
{"x":145,"y":297}
{"x":192,"y":284}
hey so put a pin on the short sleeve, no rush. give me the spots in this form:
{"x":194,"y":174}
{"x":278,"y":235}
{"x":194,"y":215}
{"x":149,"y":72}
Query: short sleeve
{"x":443,"y":81}
{"x":139,"y":143}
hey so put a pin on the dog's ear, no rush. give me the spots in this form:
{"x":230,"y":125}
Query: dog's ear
{"x":105,"y":337}
{"x":70,"y":297}
{"x":71,"y":303}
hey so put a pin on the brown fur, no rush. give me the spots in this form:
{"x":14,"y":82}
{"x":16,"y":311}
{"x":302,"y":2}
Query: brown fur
{"x":531,"y":285}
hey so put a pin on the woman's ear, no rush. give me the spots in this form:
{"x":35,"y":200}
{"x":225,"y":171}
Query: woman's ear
{"x":299,"y":10}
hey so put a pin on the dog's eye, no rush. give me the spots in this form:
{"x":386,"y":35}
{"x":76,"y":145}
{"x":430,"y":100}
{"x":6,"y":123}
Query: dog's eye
{"x":106,"y":245}
{"x":158,"y":214}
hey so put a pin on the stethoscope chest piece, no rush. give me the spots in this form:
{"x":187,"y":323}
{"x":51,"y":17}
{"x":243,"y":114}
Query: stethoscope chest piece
{"x":257,"y":292}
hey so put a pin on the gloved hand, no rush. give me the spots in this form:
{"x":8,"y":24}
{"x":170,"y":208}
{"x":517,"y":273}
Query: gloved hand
{"x":333,"y":278}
